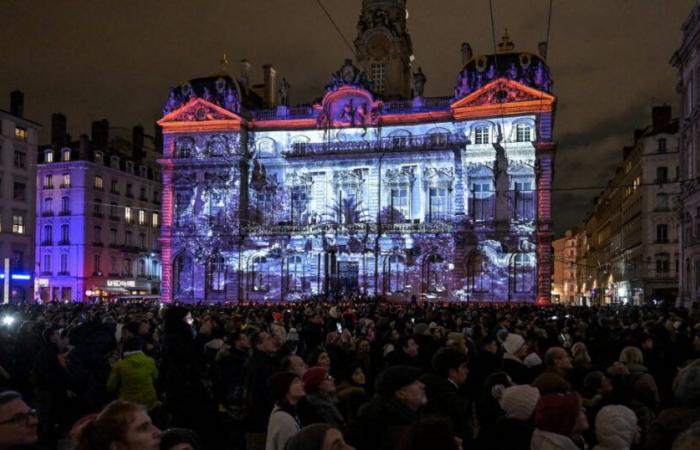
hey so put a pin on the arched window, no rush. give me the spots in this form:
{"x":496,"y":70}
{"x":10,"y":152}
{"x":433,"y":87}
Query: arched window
{"x":294,"y":273}
{"x":183,"y":279}
{"x":433,"y":274}
{"x":258,"y":274}
{"x":478,"y":279}
{"x":521,"y":274}
{"x":48,"y":234}
{"x":217,"y":272}
{"x":395,"y":273}
{"x":523,"y":132}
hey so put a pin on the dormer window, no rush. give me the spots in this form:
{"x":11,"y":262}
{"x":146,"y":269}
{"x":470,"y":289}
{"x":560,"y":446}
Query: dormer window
{"x":65,"y":155}
{"x":48,"y":156}
{"x":99,"y":157}
{"x":523,"y":133}
{"x":114,"y":162}
{"x":130,"y":167}
{"x":662,"y":145}
{"x":142,"y":171}
{"x":481,"y":135}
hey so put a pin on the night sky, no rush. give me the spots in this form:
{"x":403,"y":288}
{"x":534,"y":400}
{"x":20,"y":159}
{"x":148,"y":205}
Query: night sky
{"x":95,"y":59}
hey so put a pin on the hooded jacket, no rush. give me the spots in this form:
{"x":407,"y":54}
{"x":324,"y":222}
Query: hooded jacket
{"x":133,"y":378}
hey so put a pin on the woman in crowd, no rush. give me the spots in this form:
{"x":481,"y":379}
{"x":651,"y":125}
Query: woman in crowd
{"x":121,"y":425}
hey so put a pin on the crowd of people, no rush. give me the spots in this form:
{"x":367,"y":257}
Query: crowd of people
{"x":362,"y":374}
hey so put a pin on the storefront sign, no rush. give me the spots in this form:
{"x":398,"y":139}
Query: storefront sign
{"x":121,"y":283}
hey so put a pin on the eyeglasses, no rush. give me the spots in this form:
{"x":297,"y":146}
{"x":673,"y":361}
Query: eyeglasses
{"x":21,"y":418}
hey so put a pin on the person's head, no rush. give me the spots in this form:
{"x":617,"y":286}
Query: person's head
{"x":557,"y":358}
{"x":240,"y":341}
{"x":431,"y":433}
{"x":320,"y":358}
{"x":519,"y":402}
{"x":561,"y":414}
{"x":319,"y":436}
{"x":357,"y":375}
{"x":401,"y":383}
{"x":121,"y":425}
{"x":294,"y":364}
{"x":496,"y":383}
{"x":631,"y":355}
{"x":489,"y":344}
{"x":263,"y":342}
{"x":18,"y":422}
{"x":616,"y":427}
{"x":408,"y":346}
{"x":451,"y":363}
{"x":596,"y":383}
{"x":317,"y":380}
{"x":133,"y":344}
{"x":580,"y":353}
{"x":514,"y":345}
{"x":687,"y":386}
{"x":286,"y":387}
{"x":689,"y":439}
{"x":180,"y":439}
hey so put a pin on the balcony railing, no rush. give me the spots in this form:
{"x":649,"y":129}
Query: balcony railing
{"x":64,"y":242}
{"x":47,"y":242}
{"x":439,"y":141}
{"x":433,"y":227}
{"x":47,"y":213}
{"x":64,"y":213}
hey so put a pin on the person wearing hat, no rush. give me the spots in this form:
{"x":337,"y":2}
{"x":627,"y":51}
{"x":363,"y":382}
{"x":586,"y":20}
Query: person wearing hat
{"x":559,"y":421}
{"x":380,"y":423}
{"x":320,"y":403}
{"x":616,"y":428}
{"x":180,"y":439}
{"x":514,"y":429}
{"x":352,"y":392}
{"x":286,"y":389}
{"x":320,"y":436}
{"x":514,"y":353}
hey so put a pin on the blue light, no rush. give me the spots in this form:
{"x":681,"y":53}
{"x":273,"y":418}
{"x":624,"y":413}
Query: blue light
{"x":17,"y":276}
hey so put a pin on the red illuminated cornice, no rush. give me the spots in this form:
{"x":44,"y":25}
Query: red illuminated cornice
{"x":200,"y":115}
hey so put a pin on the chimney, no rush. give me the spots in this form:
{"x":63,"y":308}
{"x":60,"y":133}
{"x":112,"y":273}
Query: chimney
{"x":270,"y":81}
{"x":58,"y":130}
{"x":158,"y":138}
{"x":84,"y":147}
{"x":100,"y":134}
{"x":660,"y":117}
{"x":137,"y":141}
{"x":17,"y":103}
{"x":245,"y":74}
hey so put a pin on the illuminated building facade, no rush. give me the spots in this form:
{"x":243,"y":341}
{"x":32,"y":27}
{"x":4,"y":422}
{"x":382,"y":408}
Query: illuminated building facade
{"x":438,"y":198}
{"x":98,"y":214}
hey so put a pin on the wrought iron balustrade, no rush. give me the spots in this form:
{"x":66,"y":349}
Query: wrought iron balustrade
{"x":437,"y":141}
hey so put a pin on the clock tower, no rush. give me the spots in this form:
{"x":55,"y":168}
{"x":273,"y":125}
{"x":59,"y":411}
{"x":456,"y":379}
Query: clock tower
{"x":384,"y":48}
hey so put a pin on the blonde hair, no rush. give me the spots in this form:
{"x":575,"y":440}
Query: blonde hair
{"x":580,"y":352}
{"x":631,"y":355}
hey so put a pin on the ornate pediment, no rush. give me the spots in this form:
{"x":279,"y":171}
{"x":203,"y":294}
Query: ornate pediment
{"x":502,"y":91}
{"x":200,"y":114}
{"x":348,"y":107}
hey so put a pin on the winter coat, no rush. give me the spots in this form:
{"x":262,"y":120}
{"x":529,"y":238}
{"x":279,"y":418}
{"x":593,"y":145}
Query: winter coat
{"x":133,"y":378}
{"x":444,"y":400}
{"x":643,"y":385}
{"x":517,"y":370}
{"x":551,"y":381}
{"x":258,"y":370}
{"x":318,"y":409}
{"x":350,"y":398}
{"x":508,"y":434}
{"x":380,"y":424}
{"x":668,"y":425}
{"x":545,"y":440}
{"x":281,"y":426}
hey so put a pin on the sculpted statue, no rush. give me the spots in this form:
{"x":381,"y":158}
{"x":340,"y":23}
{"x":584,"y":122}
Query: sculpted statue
{"x":284,"y":92}
{"x":467,"y":53}
{"x":512,"y":72}
{"x":207,"y":95}
{"x":419,"y":80}
{"x":231,"y":100}
{"x":172,"y":103}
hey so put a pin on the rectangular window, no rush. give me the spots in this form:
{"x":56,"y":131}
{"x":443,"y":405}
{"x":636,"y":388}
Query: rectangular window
{"x":19,"y":191}
{"x":662,"y":233}
{"x":437,"y":204}
{"x":18,"y":225}
{"x":97,"y":235}
{"x":128,"y":190}
{"x":142,"y":195}
{"x":662,"y":174}
{"x":662,"y":145}
{"x":112,"y":236}
{"x":20,"y":160}
{"x":524,"y":200}
{"x":127,"y":214}
{"x":127,"y":238}
{"x":65,"y":234}
{"x":113,"y":266}
{"x":21,"y":134}
{"x":98,"y":183}
{"x":64,"y":263}
{"x":97,"y":263}
{"x":142,"y":240}
{"x":378,"y":76}
{"x":481,"y":135}
{"x":155,"y":220}
{"x":127,"y":267}
{"x":66,"y":155}
{"x":113,"y":210}
{"x":48,"y":156}
{"x":661,"y":201}
{"x":482,"y":205}
{"x":115,"y":187}
{"x":142,"y":217}
{"x":97,"y":207}
{"x":522,"y":133}
{"x":400,"y":204}
{"x":65,"y":205}
{"x":48,"y":181}
{"x":66,"y":180}
{"x":47,"y":264}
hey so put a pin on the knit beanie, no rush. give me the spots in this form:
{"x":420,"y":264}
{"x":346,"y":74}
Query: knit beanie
{"x":309,"y":438}
{"x":175,"y":436}
{"x":557,"y":413}
{"x":313,"y":377}
{"x":394,"y":378}
{"x":279,"y":384}
{"x":277,"y":316}
{"x":513,"y":343}
{"x":519,"y":402}
{"x":616,"y":427}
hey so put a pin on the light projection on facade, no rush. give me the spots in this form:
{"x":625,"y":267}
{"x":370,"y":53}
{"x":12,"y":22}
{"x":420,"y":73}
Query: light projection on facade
{"x":439,"y":198}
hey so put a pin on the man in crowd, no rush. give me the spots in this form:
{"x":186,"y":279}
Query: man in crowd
{"x":18,"y":422}
{"x":553,"y":379}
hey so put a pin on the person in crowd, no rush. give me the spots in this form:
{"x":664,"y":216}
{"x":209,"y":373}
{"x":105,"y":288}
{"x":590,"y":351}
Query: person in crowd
{"x":673,"y":421}
{"x":52,"y":383}
{"x":442,"y":388}
{"x":352,"y":391}
{"x":689,"y":439}
{"x":120,"y":425}
{"x":18,"y":422}
{"x":514,"y":429}
{"x":553,"y":380}
{"x":321,"y":401}
{"x":488,"y":408}
{"x":430,"y":434}
{"x":180,"y":439}
{"x":320,"y":436}
{"x":616,"y":428}
{"x":637,"y":377}
{"x":381,"y":422}
{"x":559,"y":422}
{"x":405,"y":353}
{"x":582,"y":365}
{"x":294,"y":363}
{"x":287,"y":389}
{"x":515,"y":351}
{"x":259,"y":369}
{"x":133,"y":377}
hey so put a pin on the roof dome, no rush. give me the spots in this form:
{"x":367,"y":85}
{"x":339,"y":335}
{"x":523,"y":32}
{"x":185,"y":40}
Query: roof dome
{"x":220,"y":89}
{"x":523,"y":67}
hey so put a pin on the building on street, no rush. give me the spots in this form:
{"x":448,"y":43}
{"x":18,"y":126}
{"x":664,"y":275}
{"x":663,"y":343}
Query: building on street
{"x":564,"y":286}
